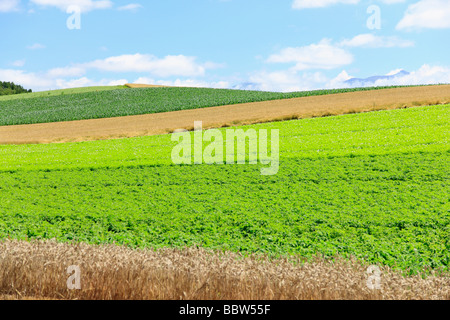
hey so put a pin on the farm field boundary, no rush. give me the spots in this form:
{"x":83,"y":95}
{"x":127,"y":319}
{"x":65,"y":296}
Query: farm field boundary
{"x":370,"y":185}
{"x":99,"y":104}
{"x":223,"y":116}
{"x":364,"y":189}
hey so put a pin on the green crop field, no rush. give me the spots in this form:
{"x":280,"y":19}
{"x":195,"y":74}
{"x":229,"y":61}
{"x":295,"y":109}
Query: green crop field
{"x":424,"y":129}
{"x":61,"y":92}
{"x":372,"y":185}
{"x":55,"y":106}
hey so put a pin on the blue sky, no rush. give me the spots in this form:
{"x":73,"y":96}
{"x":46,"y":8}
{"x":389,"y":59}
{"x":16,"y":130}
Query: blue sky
{"x":282,"y":45}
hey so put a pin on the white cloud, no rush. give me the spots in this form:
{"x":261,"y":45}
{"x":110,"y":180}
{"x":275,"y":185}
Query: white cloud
{"x":119,"y":82}
{"x":426,"y":74}
{"x":66,"y":72}
{"x":289,"y":80}
{"x":368,"y":40}
{"x":184,"y":83}
{"x":48,"y":81}
{"x":323,"y":55}
{"x":36,"y":46}
{"x":27,"y":80}
{"x":339,"y":81}
{"x":283,"y":81}
{"x":304,"y":4}
{"x":73,"y":83}
{"x":426,"y":14}
{"x":76,"y":75}
{"x":85,"y":5}
{"x":393,"y":72}
{"x":130,"y":7}
{"x":86,"y":82}
{"x":179,"y":65}
{"x":9,"y":5}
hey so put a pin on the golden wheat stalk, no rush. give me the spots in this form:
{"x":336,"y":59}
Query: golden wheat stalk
{"x":38,"y":270}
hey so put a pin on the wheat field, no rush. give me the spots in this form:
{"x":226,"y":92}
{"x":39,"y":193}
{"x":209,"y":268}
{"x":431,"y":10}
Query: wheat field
{"x":38,"y":270}
{"x":225,"y":116}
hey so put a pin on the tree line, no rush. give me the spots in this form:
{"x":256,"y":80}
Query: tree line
{"x":7,"y":88}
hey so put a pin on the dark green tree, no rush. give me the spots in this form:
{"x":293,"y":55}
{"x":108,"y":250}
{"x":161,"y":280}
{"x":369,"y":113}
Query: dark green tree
{"x":7,"y":88}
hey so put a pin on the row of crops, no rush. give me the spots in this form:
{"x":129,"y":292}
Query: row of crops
{"x":103,"y":103}
{"x":372,"y":185}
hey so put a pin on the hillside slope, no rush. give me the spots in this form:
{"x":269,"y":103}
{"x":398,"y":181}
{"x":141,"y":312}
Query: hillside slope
{"x":374,"y":186}
{"x":265,"y":111}
{"x":115,"y":103}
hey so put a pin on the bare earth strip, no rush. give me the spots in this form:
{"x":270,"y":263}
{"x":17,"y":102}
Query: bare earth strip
{"x":38,"y":270}
{"x":214,"y":117}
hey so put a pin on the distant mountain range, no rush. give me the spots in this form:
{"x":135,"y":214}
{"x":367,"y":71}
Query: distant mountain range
{"x":353,"y":82}
{"x":373,"y":79}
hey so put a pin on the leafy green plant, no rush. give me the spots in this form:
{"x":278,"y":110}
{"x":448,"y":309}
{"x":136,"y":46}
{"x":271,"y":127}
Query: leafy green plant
{"x":371,"y":185}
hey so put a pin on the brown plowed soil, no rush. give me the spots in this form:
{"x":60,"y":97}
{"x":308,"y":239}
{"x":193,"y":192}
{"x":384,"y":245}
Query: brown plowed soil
{"x":239,"y":114}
